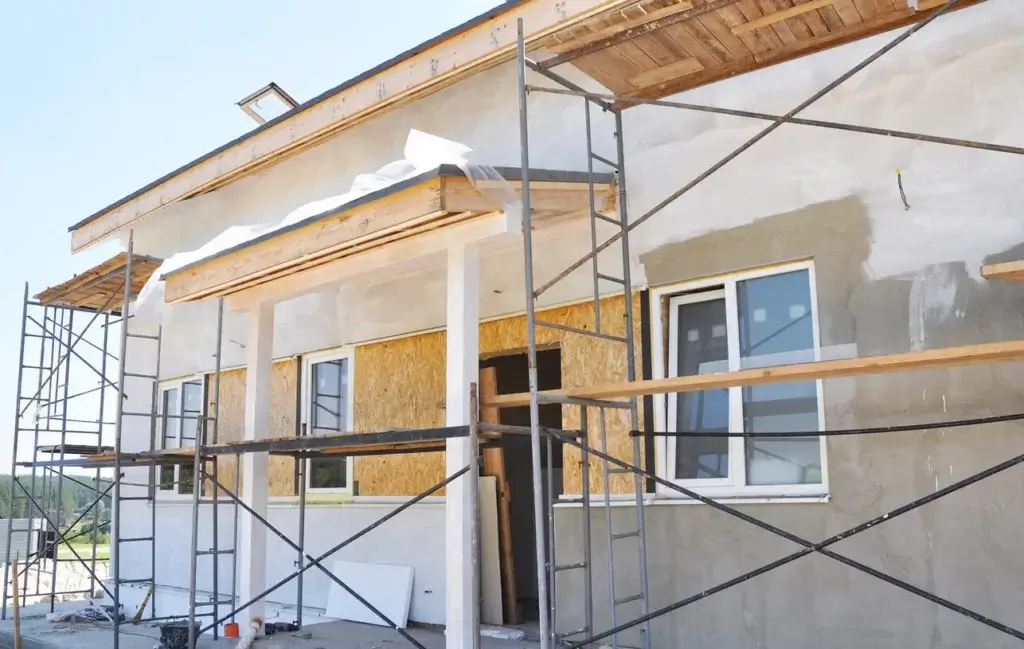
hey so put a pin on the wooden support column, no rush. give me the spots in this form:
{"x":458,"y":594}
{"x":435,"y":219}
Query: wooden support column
{"x":463,"y":366}
{"x":252,"y":536}
{"x":494,"y":465}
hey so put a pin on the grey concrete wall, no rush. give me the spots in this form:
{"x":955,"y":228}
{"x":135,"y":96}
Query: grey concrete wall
{"x":963,"y":547}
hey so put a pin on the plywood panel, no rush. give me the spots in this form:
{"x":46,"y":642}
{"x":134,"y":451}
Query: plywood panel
{"x":585,"y":361}
{"x":283,"y":386}
{"x":400,"y":383}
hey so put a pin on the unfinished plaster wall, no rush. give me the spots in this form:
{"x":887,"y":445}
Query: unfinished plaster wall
{"x":890,"y":279}
{"x":960,"y":547}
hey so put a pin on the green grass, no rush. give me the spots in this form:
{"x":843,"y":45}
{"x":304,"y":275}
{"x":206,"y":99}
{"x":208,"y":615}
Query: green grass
{"x":84,"y":550}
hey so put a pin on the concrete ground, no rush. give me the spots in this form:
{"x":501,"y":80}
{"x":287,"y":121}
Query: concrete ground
{"x":39,"y":633}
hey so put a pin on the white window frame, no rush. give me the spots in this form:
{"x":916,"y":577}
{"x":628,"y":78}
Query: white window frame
{"x":308,"y":361}
{"x":162,"y":387}
{"x":664,"y":407}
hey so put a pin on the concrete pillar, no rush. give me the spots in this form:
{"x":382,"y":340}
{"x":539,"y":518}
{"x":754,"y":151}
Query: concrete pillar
{"x":463,"y":366}
{"x":252,"y":535}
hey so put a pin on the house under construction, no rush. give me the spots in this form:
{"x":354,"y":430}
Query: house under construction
{"x":655,"y":323}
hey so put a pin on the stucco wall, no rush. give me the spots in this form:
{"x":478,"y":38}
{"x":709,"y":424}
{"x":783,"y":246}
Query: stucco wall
{"x":889,"y":279}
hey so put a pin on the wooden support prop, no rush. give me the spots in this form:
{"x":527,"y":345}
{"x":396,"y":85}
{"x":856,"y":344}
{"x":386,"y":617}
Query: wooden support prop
{"x":17,"y":603}
{"x":779,"y":16}
{"x":142,"y":607}
{"x":1011,"y":271}
{"x":494,"y":465}
{"x":905,"y":362}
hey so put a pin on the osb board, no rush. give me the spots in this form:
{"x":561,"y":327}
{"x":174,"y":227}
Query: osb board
{"x":402,"y":382}
{"x":283,"y":392}
{"x":585,"y":361}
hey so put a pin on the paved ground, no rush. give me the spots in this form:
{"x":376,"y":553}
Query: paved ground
{"x":38,"y":633}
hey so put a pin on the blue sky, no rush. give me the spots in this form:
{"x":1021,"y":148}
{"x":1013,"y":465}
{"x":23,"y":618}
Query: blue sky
{"x":100,"y":98}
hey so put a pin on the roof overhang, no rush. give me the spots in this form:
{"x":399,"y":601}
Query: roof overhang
{"x":383,"y":227}
{"x":101,"y":288}
{"x":658,"y":48}
{"x":474,"y":46}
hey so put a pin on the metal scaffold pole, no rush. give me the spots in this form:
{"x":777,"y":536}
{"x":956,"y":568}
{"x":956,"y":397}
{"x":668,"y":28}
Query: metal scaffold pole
{"x":115,"y":550}
{"x":539,"y":506}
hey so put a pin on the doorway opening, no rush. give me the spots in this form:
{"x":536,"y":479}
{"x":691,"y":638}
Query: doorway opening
{"x":511,"y":376}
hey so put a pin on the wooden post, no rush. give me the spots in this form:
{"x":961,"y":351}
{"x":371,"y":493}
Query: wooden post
{"x":494,"y":465}
{"x":17,"y":603}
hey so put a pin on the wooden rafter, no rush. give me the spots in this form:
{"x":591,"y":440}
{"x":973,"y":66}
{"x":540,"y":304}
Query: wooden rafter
{"x":1012,"y":271}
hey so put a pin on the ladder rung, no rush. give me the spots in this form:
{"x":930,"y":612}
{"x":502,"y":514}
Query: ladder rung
{"x":136,"y":539}
{"x":578,"y":401}
{"x":571,"y":566}
{"x":570,"y":500}
{"x":148,"y":337}
{"x":615,"y":222}
{"x":627,"y":600}
{"x":626,"y":535}
{"x":226,"y":602}
{"x":609,"y":278}
{"x":576,"y":330}
{"x":199,"y":552}
{"x":601,"y":158}
{"x":136,"y":375}
{"x":146,"y":580}
{"x":569,"y":634}
{"x":134,"y":498}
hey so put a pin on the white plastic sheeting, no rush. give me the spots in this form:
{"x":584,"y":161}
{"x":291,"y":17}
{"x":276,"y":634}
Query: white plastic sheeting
{"x":423,"y":152}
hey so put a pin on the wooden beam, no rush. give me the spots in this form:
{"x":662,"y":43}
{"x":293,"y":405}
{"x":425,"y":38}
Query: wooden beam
{"x":1011,"y":271}
{"x":866,"y":365}
{"x":276,"y":289}
{"x":437,"y":203}
{"x":494,"y":465}
{"x":437,"y":66}
{"x":562,"y":45}
{"x":667,"y":73}
{"x":778,"y":16}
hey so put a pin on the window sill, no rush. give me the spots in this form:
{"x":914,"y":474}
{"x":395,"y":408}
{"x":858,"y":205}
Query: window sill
{"x":660,"y":500}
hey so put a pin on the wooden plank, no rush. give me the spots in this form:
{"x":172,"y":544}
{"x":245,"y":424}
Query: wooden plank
{"x":773,"y":18}
{"x":615,"y":28}
{"x":865,"y":29}
{"x":1011,"y":271}
{"x":293,"y":284}
{"x":440,"y":202}
{"x":457,"y":57}
{"x":372,"y":219}
{"x":667,"y":73}
{"x":865,"y":365}
{"x":494,"y":465}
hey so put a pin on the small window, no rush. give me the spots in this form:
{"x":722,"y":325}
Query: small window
{"x":181,"y":418}
{"x":327,"y":411}
{"x":748,"y":320}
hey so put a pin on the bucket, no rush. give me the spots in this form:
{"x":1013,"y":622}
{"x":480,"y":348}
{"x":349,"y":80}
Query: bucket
{"x":174,"y":635}
{"x":231,"y":630}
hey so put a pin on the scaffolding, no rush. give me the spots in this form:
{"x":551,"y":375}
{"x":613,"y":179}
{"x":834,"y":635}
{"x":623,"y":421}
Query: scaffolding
{"x":55,"y":324}
{"x":625,"y":396}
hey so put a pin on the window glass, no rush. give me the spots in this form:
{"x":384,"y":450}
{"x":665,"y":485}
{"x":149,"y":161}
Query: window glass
{"x":328,"y":415}
{"x":702,"y":348}
{"x":169,"y":424}
{"x":775,"y":328}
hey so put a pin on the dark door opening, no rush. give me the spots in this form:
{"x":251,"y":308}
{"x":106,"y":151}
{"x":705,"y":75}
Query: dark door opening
{"x":512,"y":377}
